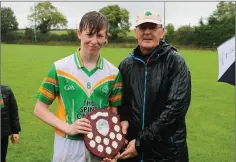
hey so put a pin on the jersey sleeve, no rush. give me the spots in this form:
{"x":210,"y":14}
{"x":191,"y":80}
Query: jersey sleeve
{"x":116,"y":93}
{"x":1,"y":101}
{"x":49,"y":87}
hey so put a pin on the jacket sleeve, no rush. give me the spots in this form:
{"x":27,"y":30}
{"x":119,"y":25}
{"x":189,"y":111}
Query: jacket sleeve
{"x":176,"y":107}
{"x":124,"y":109}
{"x":14,"y":116}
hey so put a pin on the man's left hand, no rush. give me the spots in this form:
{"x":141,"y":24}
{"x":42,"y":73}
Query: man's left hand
{"x":15,"y":138}
{"x":130,"y":151}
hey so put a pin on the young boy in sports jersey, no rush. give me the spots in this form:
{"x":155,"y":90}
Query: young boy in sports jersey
{"x":82,"y":82}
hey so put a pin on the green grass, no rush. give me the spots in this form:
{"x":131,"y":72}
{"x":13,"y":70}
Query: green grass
{"x":210,"y":120}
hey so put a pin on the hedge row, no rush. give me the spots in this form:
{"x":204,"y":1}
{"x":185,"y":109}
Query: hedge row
{"x":28,"y":36}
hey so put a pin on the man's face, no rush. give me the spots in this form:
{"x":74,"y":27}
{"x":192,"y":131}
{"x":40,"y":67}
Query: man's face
{"x":91,"y":43}
{"x":148,"y":35}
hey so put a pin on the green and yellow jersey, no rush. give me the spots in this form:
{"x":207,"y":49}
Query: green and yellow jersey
{"x":78,"y":90}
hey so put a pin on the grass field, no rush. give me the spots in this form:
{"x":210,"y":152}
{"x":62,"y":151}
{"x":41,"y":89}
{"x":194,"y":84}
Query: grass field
{"x":210,"y":120}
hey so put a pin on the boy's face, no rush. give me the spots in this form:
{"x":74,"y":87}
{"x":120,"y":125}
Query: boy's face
{"x":91,"y":43}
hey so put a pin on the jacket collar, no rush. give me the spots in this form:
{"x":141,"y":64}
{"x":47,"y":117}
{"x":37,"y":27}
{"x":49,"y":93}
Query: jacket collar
{"x":162,"y":49}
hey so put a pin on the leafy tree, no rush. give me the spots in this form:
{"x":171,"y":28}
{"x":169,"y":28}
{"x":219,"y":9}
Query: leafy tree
{"x":118,"y":19}
{"x":47,"y":16}
{"x":8,"y":21}
{"x":219,"y":27}
{"x":170,"y":33}
{"x":222,"y":21}
{"x":225,"y":11}
{"x":201,"y":21}
{"x":185,"y":35}
{"x":170,"y":29}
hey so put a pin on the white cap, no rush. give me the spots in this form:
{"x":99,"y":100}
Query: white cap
{"x":148,"y":16}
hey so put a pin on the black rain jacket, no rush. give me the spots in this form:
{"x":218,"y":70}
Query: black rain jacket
{"x":156,"y":98}
{"x":10,"y":123}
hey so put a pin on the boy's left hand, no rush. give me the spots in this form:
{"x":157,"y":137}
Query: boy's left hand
{"x":108,"y":160}
{"x":111,"y":160}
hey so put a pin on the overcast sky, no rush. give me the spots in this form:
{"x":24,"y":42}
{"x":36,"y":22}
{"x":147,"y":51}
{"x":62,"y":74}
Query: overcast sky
{"x":177,"y":13}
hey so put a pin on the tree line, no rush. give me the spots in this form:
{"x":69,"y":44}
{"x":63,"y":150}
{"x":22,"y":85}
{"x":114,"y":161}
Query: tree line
{"x":217,"y":28}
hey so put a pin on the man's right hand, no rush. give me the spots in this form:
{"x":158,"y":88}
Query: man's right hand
{"x":80,"y":126}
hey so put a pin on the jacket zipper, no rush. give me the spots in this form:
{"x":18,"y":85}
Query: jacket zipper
{"x":144,"y":102}
{"x":144,"y":96}
{"x":145,"y":89}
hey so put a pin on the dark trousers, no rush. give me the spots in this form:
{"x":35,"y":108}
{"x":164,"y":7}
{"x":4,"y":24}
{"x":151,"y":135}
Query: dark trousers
{"x":4,"y":146}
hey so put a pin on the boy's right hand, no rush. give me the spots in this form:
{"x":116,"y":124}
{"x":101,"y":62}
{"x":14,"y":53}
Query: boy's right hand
{"x":124,"y":126}
{"x":80,"y":126}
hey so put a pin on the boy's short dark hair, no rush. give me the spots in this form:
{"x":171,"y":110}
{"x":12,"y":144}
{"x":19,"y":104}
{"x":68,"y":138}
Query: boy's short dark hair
{"x":94,"y":22}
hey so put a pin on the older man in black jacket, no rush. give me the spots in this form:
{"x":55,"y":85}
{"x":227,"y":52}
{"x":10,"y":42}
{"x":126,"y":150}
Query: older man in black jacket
{"x":10,"y":124}
{"x":156,"y":98}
